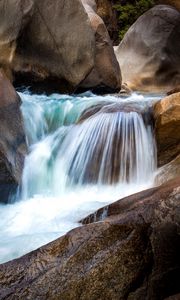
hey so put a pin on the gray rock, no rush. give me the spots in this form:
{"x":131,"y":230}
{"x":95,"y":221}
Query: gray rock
{"x":149,"y":54}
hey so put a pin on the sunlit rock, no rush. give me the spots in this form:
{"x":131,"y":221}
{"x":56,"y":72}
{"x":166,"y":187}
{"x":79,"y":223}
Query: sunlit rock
{"x":149,"y":52}
{"x":167,"y":128}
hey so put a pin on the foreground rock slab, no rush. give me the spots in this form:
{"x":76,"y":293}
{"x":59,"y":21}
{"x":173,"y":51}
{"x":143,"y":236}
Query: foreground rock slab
{"x":148,"y":54}
{"x":12,"y":139}
{"x":127,"y":255}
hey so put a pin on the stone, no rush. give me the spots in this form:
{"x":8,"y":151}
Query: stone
{"x":168,"y":171}
{"x":174,"y":91}
{"x":127,"y":255}
{"x":106,"y":70}
{"x":149,"y":55}
{"x":106,"y":10}
{"x":12,"y":139}
{"x":56,"y":46}
{"x":167,"y":128}
{"x":174,"y":3}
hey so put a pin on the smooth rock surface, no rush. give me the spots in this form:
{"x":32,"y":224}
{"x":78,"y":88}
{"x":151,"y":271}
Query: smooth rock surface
{"x":12,"y":139}
{"x":149,"y":54}
{"x":167,"y":128}
{"x":168,"y":171}
{"x":125,"y":256}
{"x":56,"y":45}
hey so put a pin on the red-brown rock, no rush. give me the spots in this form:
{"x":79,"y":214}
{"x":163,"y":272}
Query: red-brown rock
{"x":167,"y":128}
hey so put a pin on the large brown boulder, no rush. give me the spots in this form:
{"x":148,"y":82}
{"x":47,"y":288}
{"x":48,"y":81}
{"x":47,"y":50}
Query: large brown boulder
{"x":149,"y":54}
{"x":12,"y":139}
{"x":132,"y":254}
{"x":167,"y":128}
{"x":56,"y":45}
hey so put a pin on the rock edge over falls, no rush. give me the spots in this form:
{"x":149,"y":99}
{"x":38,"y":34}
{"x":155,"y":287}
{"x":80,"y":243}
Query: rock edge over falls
{"x":133,"y":253}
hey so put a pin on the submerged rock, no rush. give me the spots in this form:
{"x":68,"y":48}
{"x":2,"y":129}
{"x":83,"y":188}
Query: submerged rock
{"x":117,"y":142}
{"x":167,"y":128}
{"x":125,"y":256}
{"x":149,"y":55}
{"x":12,"y":139}
{"x":57,"y":45}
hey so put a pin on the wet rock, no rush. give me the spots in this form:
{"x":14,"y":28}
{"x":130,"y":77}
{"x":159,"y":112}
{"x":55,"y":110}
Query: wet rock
{"x":114,"y":125}
{"x":125,"y":256}
{"x":148,"y":54}
{"x":168,"y":171}
{"x":167,"y":128}
{"x":173,"y":91}
{"x":12,"y":139}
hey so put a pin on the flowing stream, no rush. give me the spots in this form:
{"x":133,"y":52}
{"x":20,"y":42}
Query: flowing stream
{"x":76,"y":166}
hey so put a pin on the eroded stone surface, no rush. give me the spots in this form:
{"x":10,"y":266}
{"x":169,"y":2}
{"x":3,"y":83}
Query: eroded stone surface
{"x":125,"y":256}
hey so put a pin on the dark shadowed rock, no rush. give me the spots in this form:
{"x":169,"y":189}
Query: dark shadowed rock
{"x":167,"y":128}
{"x":106,"y":72}
{"x":149,"y":55}
{"x":125,"y":256}
{"x":12,"y":139}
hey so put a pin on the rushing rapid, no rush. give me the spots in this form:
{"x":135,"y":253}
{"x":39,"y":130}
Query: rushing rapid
{"x":76,"y":164}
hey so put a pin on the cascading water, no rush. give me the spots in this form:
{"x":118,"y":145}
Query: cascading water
{"x":74,"y":167}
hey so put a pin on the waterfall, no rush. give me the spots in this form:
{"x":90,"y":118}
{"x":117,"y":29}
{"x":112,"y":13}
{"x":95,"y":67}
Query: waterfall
{"x":107,"y":148}
{"x":77,"y":162}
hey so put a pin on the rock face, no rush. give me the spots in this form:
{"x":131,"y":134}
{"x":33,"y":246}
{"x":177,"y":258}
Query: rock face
{"x":174,"y":3}
{"x":56,"y":44}
{"x":126,"y":256}
{"x":102,"y":74}
{"x":12,"y":139}
{"x":167,"y":128}
{"x":148,"y":55}
{"x":105,"y":9}
{"x":169,"y":171}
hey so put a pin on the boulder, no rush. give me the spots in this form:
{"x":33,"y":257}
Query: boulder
{"x":167,"y":128}
{"x":106,"y":10}
{"x":12,"y":139}
{"x":55,"y":45}
{"x":169,"y":171}
{"x":106,"y":72}
{"x":174,"y":3}
{"x":125,"y":256}
{"x":149,"y":55}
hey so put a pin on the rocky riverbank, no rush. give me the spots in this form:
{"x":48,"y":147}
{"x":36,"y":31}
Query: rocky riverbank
{"x":130,"y":249}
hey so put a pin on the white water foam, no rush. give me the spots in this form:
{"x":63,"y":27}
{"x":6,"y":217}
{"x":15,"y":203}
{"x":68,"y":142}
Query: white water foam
{"x":57,"y":189}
